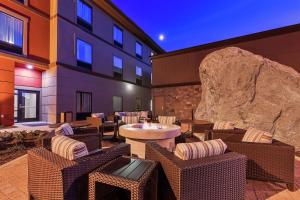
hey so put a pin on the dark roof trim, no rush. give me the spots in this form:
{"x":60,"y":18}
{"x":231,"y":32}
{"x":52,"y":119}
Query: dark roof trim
{"x":113,"y":11}
{"x":177,"y":84}
{"x":232,"y":41}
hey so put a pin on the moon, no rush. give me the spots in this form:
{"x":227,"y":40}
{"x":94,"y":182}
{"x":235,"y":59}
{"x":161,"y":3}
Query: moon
{"x":161,"y":37}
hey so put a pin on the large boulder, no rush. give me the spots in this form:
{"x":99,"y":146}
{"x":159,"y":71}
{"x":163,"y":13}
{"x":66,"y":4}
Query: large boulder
{"x":251,"y":91}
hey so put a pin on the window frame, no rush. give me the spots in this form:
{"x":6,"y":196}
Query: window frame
{"x":138,"y":78}
{"x":14,"y":48}
{"x":81,"y":98}
{"x":136,"y":54}
{"x":117,"y":43}
{"x":82,"y":63}
{"x":82,"y":22}
{"x":113,"y":103}
{"x":116,"y":69}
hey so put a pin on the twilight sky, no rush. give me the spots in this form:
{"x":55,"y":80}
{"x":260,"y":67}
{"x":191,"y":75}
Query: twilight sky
{"x":186,"y":23}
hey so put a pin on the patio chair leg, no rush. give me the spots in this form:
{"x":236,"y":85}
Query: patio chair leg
{"x":291,"y":186}
{"x":30,"y":197}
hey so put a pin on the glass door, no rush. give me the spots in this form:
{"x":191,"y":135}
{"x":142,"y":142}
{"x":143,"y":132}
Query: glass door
{"x":27,"y":108}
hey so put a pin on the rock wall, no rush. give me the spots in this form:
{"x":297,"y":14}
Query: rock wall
{"x":252,"y":91}
{"x":181,"y":100}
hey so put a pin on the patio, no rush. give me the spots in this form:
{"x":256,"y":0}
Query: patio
{"x":13,"y":180}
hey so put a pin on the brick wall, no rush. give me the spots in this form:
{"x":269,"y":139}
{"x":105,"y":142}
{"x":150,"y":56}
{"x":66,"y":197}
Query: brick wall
{"x":179,"y":101}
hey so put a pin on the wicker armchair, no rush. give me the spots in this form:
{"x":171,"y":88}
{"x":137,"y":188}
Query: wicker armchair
{"x":90,"y":136}
{"x":266,"y":162}
{"x":51,"y":176}
{"x":216,"y":177}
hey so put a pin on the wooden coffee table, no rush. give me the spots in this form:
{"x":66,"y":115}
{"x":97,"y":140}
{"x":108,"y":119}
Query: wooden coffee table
{"x":139,"y":177}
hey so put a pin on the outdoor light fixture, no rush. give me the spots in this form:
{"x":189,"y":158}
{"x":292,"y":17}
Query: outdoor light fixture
{"x":129,"y":87}
{"x":29,"y":66}
{"x":161,"y":37}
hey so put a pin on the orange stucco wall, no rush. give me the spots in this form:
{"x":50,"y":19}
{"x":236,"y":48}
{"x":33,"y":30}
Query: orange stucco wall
{"x":6,"y":92}
{"x":38,"y":37}
{"x":38,"y":27}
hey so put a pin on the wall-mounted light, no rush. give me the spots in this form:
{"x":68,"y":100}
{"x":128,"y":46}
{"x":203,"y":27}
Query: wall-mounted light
{"x":129,"y":87}
{"x":29,"y":66}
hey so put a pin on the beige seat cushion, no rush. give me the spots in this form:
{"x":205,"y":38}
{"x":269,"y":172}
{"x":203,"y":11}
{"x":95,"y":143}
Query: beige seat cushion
{"x":257,"y":136}
{"x":188,"y":151}
{"x":167,"y":119}
{"x":64,"y":129}
{"x":68,"y":148}
{"x":130,"y":119}
{"x":223,"y":125}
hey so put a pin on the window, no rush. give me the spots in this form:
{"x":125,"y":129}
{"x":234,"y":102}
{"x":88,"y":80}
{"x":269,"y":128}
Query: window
{"x":138,"y":104}
{"x":11,"y":33}
{"x":83,"y":105}
{"x":139,"y":50}
{"x":118,"y":67}
{"x":139,"y":74}
{"x":118,"y":36}
{"x":117,"y":103}
{"x":84,"y":54}
{"x":84,"y":14}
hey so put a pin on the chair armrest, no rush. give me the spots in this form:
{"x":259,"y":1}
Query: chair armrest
{"x":85,"y":130}
{"x":225,"y":134}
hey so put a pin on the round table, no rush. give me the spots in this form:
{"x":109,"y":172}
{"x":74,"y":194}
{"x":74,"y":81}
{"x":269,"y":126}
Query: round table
{"x":138,"y":134}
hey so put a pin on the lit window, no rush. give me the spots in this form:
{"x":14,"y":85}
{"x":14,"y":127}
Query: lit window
{"x":139,"y":50}
{"x":118,"y":36}
{"x":84,"y":54}
{"x":139,"y":74}
{"x":138,"y":71}
{"x":117,"y":103}
{"x":11,"y":33}
{"x":117,"y":67}
{"x":84,"y":14}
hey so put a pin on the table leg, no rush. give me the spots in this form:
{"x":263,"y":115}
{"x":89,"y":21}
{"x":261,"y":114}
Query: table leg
{"x":92,"y":189}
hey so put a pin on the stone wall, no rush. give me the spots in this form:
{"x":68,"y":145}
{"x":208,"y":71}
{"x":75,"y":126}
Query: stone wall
{"x":180,"y":101}
{"x":251,"y":91}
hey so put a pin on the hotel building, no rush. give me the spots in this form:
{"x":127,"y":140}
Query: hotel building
{"x":71,"y":55}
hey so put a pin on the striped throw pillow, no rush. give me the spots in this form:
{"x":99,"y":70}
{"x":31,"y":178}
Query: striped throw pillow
{"x":223,"y":125}
{"x":257,"y":136}
{"x":64,"y":129}
{"x":166,"y":119}
{"x":144,"y":114}
{"x":130,"y":119}
{"x":188,"y":151}
{"x":68,"y":148}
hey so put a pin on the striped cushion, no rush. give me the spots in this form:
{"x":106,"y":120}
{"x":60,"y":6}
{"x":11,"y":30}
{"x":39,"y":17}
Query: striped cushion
{"x":257,"y":136}
{"x":64,"y":129}
{"x":68,"y":148}
{"x":130,"y":119}
{"x":218,"y":125}
{"x":166,"y":119}
{"x":144,"y":114}
{"x":188,"y":151}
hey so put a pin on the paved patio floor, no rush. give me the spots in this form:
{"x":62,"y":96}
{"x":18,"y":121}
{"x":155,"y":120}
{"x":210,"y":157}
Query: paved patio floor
{"x":13,"y":184}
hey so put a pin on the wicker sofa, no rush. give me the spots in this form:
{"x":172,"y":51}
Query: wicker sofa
{"x":51,"y":176}
{"x":216,"y":177}
{"x":266,"y":162}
